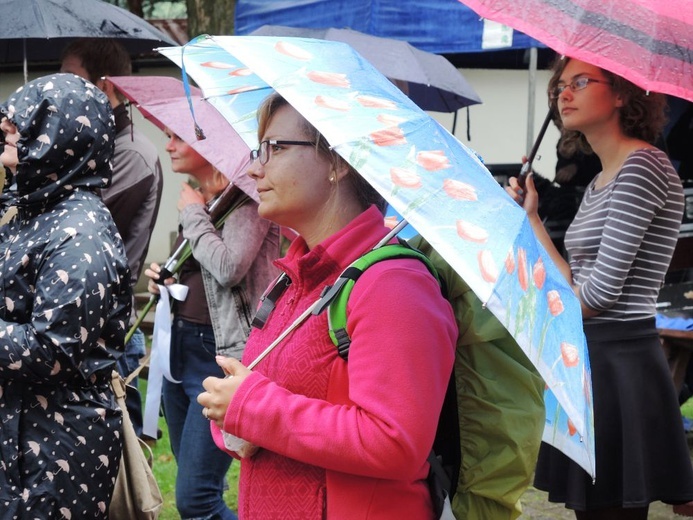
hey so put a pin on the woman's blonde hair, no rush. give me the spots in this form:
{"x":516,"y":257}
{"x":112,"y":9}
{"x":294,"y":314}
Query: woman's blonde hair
{"x":364,"y":192}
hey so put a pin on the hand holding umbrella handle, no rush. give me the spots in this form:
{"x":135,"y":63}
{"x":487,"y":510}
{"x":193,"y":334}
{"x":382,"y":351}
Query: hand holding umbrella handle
{"x":165,"y":273}
{"x":527,"y":166}
{"x":221,"y":207}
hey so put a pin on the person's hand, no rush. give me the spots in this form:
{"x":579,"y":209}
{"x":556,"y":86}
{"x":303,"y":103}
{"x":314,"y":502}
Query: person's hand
{"x":528,"y":197}
{"x":153,"y":273}
{"x":189,"y":195}
{"x":219,"y":392}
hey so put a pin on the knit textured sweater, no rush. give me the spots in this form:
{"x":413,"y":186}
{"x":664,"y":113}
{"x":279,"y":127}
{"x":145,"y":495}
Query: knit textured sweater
{"x":345,"y":440}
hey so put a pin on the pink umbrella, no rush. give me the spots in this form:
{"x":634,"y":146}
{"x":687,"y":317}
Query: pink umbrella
{"x":162,"y":101}
{"x":649,"y":42}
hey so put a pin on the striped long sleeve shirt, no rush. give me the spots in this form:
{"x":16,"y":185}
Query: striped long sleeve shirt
{"x":623,"y":237}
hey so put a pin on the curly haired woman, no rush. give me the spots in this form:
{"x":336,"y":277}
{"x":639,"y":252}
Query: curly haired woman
{"x":620,"y":245}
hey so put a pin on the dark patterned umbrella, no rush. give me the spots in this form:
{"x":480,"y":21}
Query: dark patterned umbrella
{"x":430,"y":81}
{"x":27,"y":25}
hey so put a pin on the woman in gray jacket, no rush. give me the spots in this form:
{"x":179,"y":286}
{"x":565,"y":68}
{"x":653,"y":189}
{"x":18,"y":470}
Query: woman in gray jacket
{"x":225,"y":276}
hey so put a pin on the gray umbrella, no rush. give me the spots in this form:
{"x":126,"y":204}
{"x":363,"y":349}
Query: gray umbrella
{"x":430,"y":81}
{"x":28,"y":25}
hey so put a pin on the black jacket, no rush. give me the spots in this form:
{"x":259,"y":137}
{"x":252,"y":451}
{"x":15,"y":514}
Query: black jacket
{"x":64,"y":306}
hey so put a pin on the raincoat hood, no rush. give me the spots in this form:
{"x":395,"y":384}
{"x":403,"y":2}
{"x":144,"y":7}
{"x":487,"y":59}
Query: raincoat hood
{"x":67,"y":134}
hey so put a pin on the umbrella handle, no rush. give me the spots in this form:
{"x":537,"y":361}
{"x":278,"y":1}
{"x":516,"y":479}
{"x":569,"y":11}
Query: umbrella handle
{"x":231,"y":198}
{"x":152,"y":300}
{"x":315,"y":304}
{"x":399,"y":227}
{"x":163,"y":274}
{"x":527,"y":166}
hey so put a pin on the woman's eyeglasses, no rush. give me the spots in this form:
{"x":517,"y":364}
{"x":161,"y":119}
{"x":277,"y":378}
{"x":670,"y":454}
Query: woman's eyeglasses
{"x":263,"y":152}
{"x":575,"y":85}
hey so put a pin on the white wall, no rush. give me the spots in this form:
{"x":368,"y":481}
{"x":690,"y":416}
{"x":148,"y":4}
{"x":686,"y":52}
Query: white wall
{"x":498,"y":133}
{"x":499,"y":125}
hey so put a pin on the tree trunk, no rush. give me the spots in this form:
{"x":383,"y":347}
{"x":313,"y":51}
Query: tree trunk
{"x":214,"y":17}
{"x":135,"y":7}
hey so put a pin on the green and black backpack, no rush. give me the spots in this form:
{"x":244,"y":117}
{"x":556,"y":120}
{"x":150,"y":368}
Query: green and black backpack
{"x":489,"y":429}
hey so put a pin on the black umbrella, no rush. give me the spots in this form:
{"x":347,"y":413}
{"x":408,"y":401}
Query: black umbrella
{"x":28,"y":25}
{"x":430,"y":80}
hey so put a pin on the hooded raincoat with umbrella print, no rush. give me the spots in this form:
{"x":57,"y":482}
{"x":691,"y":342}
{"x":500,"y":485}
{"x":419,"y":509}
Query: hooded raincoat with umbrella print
{"x":64,"y":306}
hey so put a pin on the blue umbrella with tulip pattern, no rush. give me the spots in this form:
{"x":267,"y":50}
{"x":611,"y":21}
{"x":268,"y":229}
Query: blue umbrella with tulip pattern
{"x":433,"y":181}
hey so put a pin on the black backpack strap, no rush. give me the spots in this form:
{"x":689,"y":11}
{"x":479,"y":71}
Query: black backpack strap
{"x":269,"y":300}
{"x":447,"y":440}
{"x":438,"y":483}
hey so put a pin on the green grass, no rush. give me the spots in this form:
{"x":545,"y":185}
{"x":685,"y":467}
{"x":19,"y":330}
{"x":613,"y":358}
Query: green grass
{"x":165,"y":469}
{"x":687,"y":409}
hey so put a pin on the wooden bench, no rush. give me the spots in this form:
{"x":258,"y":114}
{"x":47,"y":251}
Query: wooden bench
{"x":678,"y":347}
{"x":678,"y":344}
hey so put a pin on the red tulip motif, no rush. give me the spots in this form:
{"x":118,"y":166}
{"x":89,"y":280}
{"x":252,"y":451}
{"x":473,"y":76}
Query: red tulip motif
{"x":510,"y":262}
{"x":218,"y":65}
{"x":572,"y":430}
{"x":569,"y":354}
{"x":487,"y":267}
{"x":241,"y":71}
{"x":332,"y":103}
{"x":240,"y":90}
{"x":391,"y":222}
{"x":433,"y":160}
{"x":539,"y":274}
{"x":389,"y":137}
{"x":293,"y":51}
{"x":376,"y":102}
{"x":555,"y":303}
{"x":472,"y":232}
{"x":522,"y":275}
{"x":586,"y":386}
{"x":459,"y":190}
{"x":331,"y":79}
{"x":405,"y":178}
{"x":390,"y":120}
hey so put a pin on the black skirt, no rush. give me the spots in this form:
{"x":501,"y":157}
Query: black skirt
{"x":641,"y":450}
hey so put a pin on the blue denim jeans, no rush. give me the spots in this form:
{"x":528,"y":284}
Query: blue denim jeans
{"x":134,"y":350}
{"x":202,"y":466}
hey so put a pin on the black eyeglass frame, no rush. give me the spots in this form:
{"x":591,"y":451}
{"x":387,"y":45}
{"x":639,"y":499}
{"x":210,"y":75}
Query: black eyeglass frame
{"x":575,"y":87}
{"x":257,"y":154}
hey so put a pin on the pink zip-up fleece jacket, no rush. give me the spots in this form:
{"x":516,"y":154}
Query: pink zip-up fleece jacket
{"x":345,"y":440}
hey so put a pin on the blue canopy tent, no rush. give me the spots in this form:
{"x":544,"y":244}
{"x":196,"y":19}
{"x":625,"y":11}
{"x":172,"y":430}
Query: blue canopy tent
{"x":444,"y":27}
{"x":439,"y":26}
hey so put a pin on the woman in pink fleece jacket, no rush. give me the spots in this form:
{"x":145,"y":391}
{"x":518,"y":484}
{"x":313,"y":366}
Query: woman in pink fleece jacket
{"x":336,"y":440}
